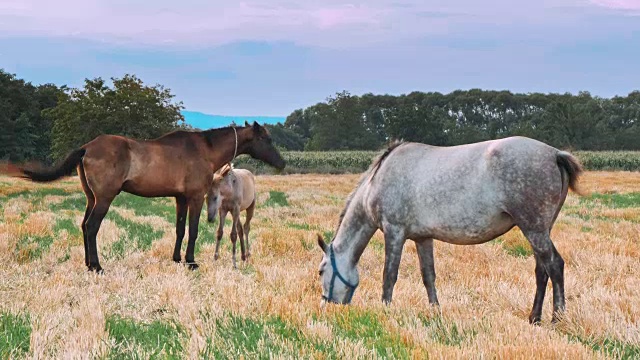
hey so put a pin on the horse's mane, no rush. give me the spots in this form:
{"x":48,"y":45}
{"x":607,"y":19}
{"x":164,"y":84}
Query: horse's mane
{"x":211,"y":134}
{"x":370,"y":174}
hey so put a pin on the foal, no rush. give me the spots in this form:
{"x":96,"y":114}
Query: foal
{"x":232,"y":190}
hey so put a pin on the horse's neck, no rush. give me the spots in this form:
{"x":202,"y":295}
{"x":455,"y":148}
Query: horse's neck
{"x":225,"y":146}
{"x":355,"y":231}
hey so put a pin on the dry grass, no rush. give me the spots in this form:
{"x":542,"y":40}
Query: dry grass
{"x":146,"y":305}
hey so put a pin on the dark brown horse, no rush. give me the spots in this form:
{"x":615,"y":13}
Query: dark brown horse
{"x":179,"y":164}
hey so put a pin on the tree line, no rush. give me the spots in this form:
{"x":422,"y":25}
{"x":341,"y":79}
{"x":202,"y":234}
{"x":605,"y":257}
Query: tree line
{"x":578,"y":122}
{"x":45,"y":122}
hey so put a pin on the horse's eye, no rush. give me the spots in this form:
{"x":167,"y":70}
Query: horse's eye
{"x":320,"y":272}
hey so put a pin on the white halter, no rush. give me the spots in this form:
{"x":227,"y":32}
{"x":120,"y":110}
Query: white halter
{"x":235,"y":152}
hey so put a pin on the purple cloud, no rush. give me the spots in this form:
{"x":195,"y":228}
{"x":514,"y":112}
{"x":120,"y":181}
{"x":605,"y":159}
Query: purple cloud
{"x":207,"y":23}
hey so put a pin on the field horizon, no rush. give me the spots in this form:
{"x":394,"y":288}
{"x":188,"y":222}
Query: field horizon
{"x":146,"y":306}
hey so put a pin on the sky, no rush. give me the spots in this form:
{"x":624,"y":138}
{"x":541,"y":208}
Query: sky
{"x":268,"y":58}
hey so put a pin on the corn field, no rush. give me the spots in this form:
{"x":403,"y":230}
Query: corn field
{"x":337,"y":162}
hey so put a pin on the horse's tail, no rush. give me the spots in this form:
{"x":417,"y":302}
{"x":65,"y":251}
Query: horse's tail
{"x":47,"y":174}
{"x":572,"y":166}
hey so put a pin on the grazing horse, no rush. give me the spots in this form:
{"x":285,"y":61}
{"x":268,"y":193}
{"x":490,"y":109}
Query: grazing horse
{"x":178,"y":164}
{"x":465,"y":195}
{"x":232,"y":190}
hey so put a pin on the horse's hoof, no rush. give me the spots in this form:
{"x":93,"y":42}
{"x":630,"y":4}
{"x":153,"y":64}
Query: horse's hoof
{"x":216,"y":257}
{"x":177,"y":259}
{"x":535,"y":319}
{"x":96,"y":268}
{"x":193,"y":266}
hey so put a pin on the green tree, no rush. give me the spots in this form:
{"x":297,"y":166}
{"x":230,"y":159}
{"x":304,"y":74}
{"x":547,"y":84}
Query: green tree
{"x":340,"y":124}
{"x":25,"y":132}
{"x":130,"y":109}
{"x":298,"y":122}
{"x":285,"y":138}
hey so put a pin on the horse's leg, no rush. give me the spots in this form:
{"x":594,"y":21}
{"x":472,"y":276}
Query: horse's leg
{"x":221,"y":218}
{"x":243,"y":253}
{"x":247,"y":225}
{"x":195,"y":208}
{"x":93,"y":225}
{"x":548,"y":261}
{"x":425,"y":256}
{"x":91,"y":202}
{"x":393,"y":243}
{"x":181,"y":220}
{"x":541,"y":288}
{"x":234,"y":235}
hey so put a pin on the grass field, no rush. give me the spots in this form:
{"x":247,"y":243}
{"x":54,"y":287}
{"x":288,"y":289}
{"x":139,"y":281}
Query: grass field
{"x":146,"y":306}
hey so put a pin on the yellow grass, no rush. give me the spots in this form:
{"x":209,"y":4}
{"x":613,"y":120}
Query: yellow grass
{"x":485,"y":292}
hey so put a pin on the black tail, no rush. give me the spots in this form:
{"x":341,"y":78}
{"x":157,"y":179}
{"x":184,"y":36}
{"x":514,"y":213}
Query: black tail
{"x":573,"y":168}
{"x":64,"y":168}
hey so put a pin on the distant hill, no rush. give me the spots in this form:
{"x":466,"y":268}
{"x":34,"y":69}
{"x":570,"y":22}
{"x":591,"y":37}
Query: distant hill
{"x":205,"y":121}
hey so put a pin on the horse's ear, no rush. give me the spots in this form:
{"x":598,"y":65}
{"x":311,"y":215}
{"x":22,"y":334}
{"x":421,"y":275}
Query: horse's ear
{"x":322,"y":244}
{"x":225,"y":170}
{"x":256,"y":127}
{"x":246,"y":123}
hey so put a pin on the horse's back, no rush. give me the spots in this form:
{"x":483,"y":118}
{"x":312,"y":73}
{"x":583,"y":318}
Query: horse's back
{"x":246,"y":190}
{"x":463,"y":193}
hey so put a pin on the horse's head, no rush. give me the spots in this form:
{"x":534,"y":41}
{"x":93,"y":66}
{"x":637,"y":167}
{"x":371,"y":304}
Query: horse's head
{"x":214,"y":197}
{"x":339,"y":280}
{"x":260,"y":146}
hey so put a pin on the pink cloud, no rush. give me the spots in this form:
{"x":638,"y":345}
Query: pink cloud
{"x":619,"y":4}
{"x":329,"y":23}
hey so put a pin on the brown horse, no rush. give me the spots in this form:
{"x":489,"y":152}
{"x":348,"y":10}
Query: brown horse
{"x":178,"y":164}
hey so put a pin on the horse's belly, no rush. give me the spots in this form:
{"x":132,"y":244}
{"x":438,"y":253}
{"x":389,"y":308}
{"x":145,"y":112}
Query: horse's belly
{"x":466,"y":231}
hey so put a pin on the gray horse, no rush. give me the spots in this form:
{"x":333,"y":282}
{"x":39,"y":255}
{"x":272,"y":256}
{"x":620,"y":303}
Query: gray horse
{"x":465,"y":195}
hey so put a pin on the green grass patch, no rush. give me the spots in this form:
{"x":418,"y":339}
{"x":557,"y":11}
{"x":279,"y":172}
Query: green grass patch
{"x":446,"y":333}
{"x":68,"y":225}
{"x":276,"y":198}
{"x":259,"y":339}
{"x":610,"y":347}
{"x":615,"y":201}
{"x":37,"y":194}
{"x":514,"y":249}
{"x":518,"y":250}
{"x":207,"y":234}
{"x":70,"y":203}
{"x":32,"y":247}
{"x":299,"y":226}
{"x":137,"y":235}
{"x":365,"y":326}
{"x":143,"y":206}
{"x":136,"y":340}
{"x":586,"y":229}
{"x":15,"y":335}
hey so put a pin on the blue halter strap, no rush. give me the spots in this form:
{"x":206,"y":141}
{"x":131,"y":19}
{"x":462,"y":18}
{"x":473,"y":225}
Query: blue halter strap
{"x":352,"y":287}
